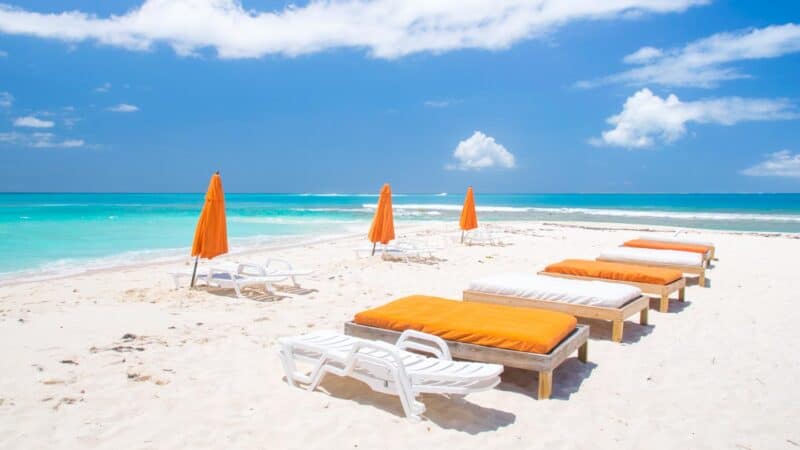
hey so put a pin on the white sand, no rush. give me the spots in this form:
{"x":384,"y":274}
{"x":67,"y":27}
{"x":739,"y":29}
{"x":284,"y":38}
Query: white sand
{"x":720,"y":371}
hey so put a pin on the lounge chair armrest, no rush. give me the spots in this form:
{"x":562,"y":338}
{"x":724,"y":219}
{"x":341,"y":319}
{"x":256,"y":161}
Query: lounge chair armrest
{"x":286,"y":265}
{"x":424,"y":342}
{"x":250,"y":269}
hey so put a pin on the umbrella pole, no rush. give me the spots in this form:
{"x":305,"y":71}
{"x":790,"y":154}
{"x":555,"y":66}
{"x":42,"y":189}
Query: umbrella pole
{"x":373,"y":248}
{"x":194,"y":271}
{"x":462,"y":236}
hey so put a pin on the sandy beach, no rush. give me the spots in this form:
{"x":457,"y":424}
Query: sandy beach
{"x":120,"y":359}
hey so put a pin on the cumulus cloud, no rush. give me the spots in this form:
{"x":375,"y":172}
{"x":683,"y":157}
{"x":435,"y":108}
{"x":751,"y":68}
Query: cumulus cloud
{"x":480,"y":151}
{"x":33,"y":122}
{"x":778,"y":164}
{"x":647,"y":118}
{"x":104,"y":88}
{"x":6,"y":100}
{"x":706,"y":62}
{"x":39,"y":140}
{"x":386,"y":28}
{"x":123,"y":108}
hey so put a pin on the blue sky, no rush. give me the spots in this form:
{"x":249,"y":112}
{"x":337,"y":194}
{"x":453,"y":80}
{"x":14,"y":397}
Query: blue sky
{"x":341,"y":97}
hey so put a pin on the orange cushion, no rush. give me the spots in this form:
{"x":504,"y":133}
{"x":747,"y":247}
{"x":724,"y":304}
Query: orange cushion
{"x":615,"y":271}
{"x":644,"y":243}
{"x":523,"y":329}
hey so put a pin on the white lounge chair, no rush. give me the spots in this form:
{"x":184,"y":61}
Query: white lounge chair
{"x":231,"y":276}
{"x":386,"y":368}
{"x":401,"y":250}
{"x":275,"y":269}
{"x":480,"y":236}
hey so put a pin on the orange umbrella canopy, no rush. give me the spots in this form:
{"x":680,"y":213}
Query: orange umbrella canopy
{"x":211,"y":234}
{"x":382,"y":229}
{"x":469,"y":219}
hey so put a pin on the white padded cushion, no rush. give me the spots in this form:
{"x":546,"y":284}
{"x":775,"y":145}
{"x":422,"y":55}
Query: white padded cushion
{"x":675,"y":239}
{"x":526,"y":285}
{"x":647,"y":255}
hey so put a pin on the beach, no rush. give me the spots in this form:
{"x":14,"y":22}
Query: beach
{"x":121,"y":359}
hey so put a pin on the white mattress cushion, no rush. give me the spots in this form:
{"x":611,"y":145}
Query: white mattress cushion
{"x":675,"y":239}
{"x":647,"y":255}
{"x":526,"y":285}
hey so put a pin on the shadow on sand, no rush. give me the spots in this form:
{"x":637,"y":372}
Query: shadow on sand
{"x":675,"y":306}
{"x":567,"y":379}
{"x":452,"y":412}
{"x":632,"y":332}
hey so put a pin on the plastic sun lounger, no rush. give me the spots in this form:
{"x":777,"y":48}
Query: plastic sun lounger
{"x":402,"y":250}
{"x":479,"y":236}
{"x":236,"y":277}
{"x":390,"y":369}
{"x":661,"y":282}
{"x":453,"y":321}
{"x":586,"y":299}
{"x":686,"y":262}
{"x":277,"y":270}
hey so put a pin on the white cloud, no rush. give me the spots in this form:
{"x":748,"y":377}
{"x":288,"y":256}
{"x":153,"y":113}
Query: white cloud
{"x":6,"y":100}
{"x":104,"y":88}
{"x":480,"y":151}
{"x":778,"y":164}
{"x":706,"y":62}
{"x":39,"y":140}
{"x":643,"y":55}
{"x":440,"y":103}
{"x":124,"y":108}
{"x":33,"y":122}
{"x":3,"y":53}
{"x":647,"y":118}
{"x":387,"y":28}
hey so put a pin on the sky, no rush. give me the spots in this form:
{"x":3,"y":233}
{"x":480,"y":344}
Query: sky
{"x":342,"y":96}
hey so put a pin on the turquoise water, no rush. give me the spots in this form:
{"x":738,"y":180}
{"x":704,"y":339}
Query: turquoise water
{"x":53,"y":233}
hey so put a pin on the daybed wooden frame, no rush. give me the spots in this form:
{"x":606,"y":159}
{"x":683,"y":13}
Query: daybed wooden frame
{"x":663,"y":291}
{"x":617,"y":316}
{"x":700,"y":271}
{"x":544,"y":364}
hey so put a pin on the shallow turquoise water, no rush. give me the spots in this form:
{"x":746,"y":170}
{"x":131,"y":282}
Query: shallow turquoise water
{"x":57,"y":232}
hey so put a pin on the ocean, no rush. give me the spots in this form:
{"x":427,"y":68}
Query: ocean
{"x":52,"y":234}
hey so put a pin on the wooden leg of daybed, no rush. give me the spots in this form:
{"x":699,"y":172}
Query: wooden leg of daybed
{"x":682,"y":294}
{"x":663,"y":306}
{"x":616,"y":328}
{"x":702,"y":280}
{"x":643,"y":315}
{"x":545,"y":384}
{"x":583,"y":352}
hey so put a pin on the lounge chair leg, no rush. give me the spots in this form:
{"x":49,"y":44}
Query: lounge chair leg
{"x":545,"y":384}
{"x":643,"y":315}
{"x":616,"y":329}
{"x":702,"y":280}
{"x":664,"y":305}
{"x":583,"y":352}
{"x":682,"y":294}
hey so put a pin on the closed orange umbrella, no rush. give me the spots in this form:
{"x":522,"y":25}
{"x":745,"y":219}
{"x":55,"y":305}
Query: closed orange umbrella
{"x":211,"y":234}
{"x":469,"y":219}
{"x":382,"y":229}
